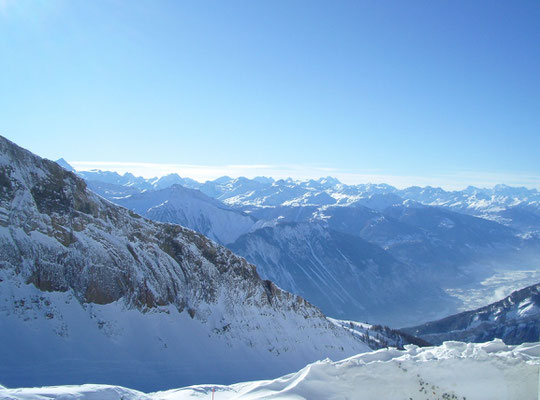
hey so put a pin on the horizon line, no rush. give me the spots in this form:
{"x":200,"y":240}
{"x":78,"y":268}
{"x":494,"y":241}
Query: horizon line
{"x":454,"y":180}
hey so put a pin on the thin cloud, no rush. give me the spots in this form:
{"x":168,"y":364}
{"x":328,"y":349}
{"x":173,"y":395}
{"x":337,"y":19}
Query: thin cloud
{"x":253,"y":166}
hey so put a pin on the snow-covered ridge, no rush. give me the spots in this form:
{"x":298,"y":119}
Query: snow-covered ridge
{"x":453,"y":370}
{"x":378,"y":336}
{"x":492,"y":203}
{"x":515,"y":319}
{"x":92,"y":291}
{"x":192,"y":209}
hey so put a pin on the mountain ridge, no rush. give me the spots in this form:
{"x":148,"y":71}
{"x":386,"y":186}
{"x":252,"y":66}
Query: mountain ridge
{"x":515,"y":319}
{"x":449,"y":246}
{"x":93,"y":291}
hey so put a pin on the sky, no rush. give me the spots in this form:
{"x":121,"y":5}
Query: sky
{"x":445,"y":93}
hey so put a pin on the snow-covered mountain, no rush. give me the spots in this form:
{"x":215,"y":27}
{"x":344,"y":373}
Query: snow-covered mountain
{"x":114,"y":178}
{"x":454,"y":370}
{"x":499,"y":203}
{"x":92,"y":292}
{"x":344,"y":275}
{"x":129,"y":180}
{"x":490,"y":203}
{"x":286,"y":192}
{"x":472,"y":198}
{"x":516,"y":207}
{"x":514,"y":319}
{"x":379,"y":336}
{"x":192,"y":209}
{"x":112,"y":191}
{"x":243,"y":192}
{"x":450,"y":239}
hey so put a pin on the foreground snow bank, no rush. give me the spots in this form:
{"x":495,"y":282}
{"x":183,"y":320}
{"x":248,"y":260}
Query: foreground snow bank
{"x":453,"y":370}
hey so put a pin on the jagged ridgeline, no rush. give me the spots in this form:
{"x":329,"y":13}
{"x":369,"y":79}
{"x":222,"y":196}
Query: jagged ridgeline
{"x":92,"y":292}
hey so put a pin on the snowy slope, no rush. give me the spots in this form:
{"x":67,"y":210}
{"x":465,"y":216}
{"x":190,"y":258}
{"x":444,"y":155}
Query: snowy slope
{"x":379,"y":336}
{"x":514,"y":319}
{"x":92,"y":292}
{"x":452,"y":371}
{"x":192,"y":209}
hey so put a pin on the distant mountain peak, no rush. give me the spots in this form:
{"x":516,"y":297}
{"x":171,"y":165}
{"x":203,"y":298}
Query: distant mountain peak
{"x":329,"y":181}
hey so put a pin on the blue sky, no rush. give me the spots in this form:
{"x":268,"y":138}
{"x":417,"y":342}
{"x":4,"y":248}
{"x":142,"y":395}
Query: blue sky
{"x":445,"y":93}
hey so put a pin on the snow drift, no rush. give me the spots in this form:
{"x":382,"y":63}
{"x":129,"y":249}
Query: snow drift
{"x":453,"y":370}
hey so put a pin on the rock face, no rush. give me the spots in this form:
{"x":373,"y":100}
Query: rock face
{"x":92,"y":291}
{"x":514,"y":319}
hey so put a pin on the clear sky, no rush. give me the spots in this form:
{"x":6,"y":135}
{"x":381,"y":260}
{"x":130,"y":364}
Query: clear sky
{"x":430,"y":92}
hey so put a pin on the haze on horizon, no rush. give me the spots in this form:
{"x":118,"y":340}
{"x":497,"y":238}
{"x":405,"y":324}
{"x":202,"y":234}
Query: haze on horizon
{"x":203,"y":173}
{"x":417,"y":93}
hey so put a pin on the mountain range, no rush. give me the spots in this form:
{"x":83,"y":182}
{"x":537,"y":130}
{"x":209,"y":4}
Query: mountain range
{"x":93,"y":291}
{"x":490,"y":203}
{"x":421,"y":241}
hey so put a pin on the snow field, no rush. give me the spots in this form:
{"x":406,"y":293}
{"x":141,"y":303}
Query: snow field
{"x":453,"y":370}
